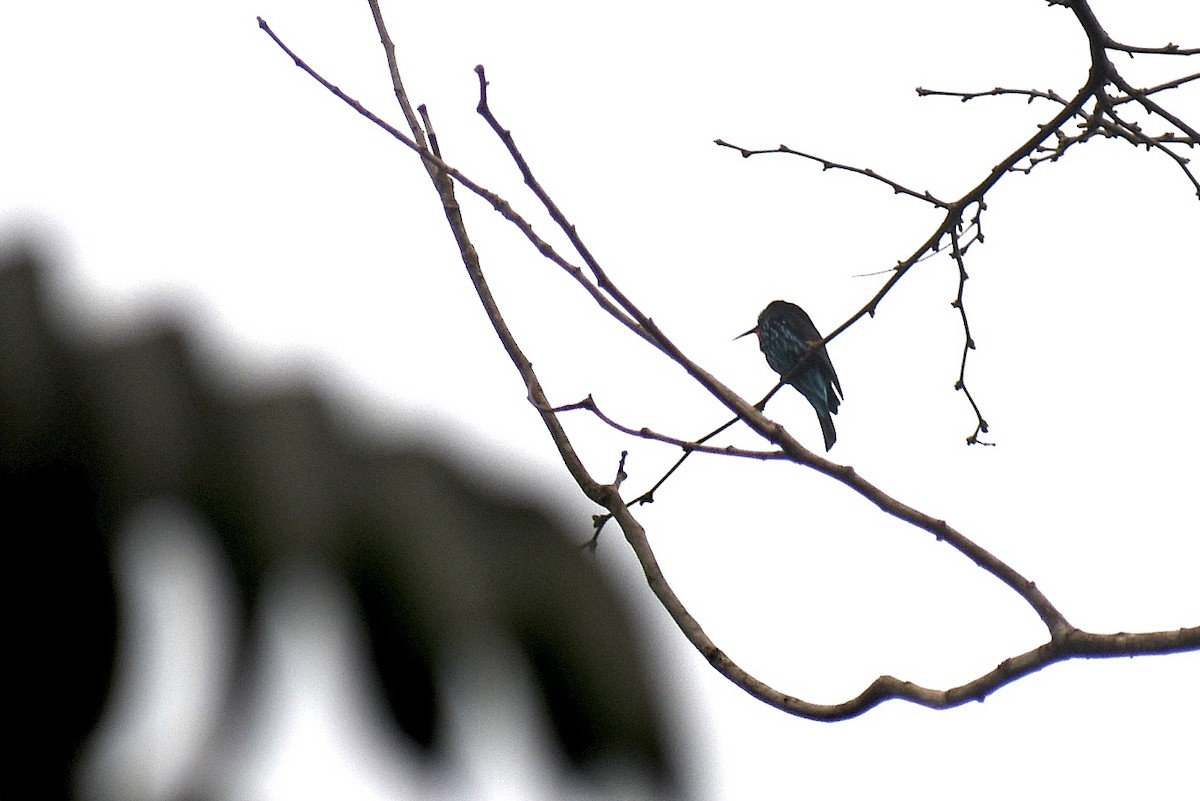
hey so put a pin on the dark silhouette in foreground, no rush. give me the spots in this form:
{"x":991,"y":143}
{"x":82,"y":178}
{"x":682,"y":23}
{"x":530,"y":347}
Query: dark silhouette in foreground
{"x":87,"y":433}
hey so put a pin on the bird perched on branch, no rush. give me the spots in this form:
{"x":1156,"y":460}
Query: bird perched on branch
{"x":785,"y":335}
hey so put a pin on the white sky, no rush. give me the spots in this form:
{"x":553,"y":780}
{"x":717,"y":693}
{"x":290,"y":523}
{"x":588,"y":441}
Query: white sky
{"x":179,"y":159}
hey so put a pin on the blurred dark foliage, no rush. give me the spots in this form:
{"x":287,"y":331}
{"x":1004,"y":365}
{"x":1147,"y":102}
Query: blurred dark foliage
{"x":88,"y":432}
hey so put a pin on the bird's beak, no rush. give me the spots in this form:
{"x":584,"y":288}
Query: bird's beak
{"x":753,"y":330}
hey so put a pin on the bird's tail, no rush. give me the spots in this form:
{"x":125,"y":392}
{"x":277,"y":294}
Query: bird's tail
{"x":827,"y":428}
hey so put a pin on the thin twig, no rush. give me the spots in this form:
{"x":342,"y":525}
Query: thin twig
{"x":827,"y":164}
{"x":1029,"y":94}
{"x":434,"y":163}
{"x":957,"y":252}
{"x":602,"y":280}
{"x":1162,"y":87}
{"x":1166,"y":50}
{"x":688,"y":446}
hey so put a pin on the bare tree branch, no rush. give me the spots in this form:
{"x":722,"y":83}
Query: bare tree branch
{"x":434,"y":161}
{"x":826,"y":164}
{"x":959,"y":228}
{"x":1030,"y":94}
{"x":958,"y":251}
{"x":1102,"y":120}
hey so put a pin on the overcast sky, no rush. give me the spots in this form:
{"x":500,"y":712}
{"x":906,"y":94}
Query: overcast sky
{"x":172,"y":157}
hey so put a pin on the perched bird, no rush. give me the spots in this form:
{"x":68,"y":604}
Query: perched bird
{"x":785,"y":334}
